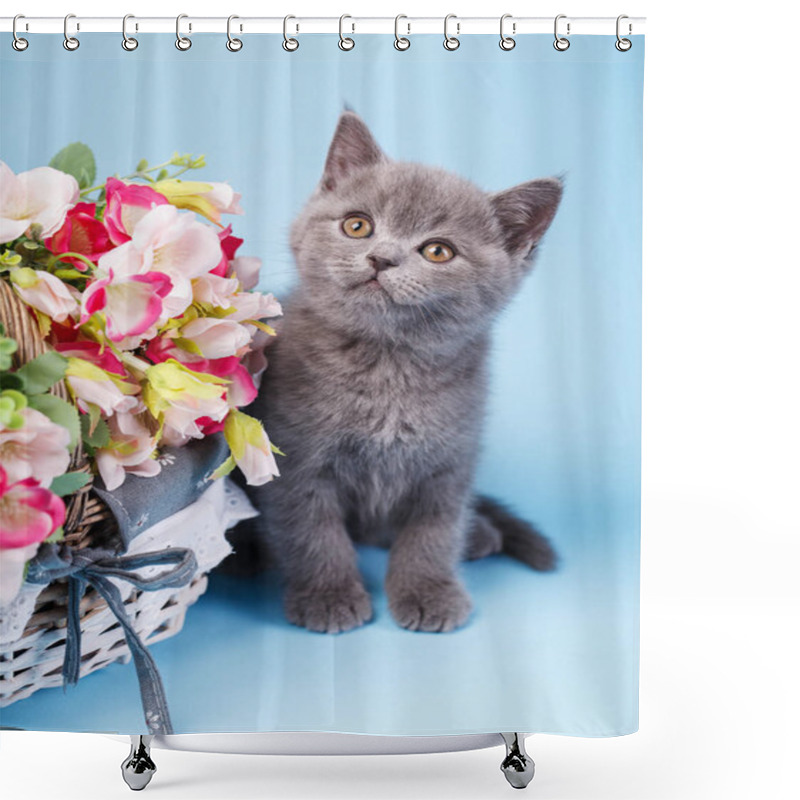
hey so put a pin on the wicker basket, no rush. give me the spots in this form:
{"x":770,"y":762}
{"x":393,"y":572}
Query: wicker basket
{"x":34,"y":661}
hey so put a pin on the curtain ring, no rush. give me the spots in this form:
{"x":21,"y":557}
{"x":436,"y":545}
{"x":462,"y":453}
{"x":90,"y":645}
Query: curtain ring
{"x":70,"y":42}
{"x":623,"y":45}
{"x":507,"y":42}
{"x":451,"y":42}
{"x":400,"y":42}
{"x":182,"y":42}
{"x":233,"y":44}
{"x":345,"y":42}
{"x":128,"y":42}
{"x":18,"y":43}
{"x":289,"y":44}
{"x":561,"y":43}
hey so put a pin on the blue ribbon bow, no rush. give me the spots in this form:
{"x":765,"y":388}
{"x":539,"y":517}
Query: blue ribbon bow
{"x":94,"y":566}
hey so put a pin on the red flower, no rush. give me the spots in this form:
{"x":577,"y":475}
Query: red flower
{"x":80,"y":233}
{"x":229,"y":244}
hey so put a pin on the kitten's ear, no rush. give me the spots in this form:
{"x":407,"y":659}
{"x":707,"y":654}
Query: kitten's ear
{"x":526,"y":211}
{"x":352,"y":148}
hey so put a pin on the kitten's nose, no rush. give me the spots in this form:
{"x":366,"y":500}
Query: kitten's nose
{"x":380,"y":263}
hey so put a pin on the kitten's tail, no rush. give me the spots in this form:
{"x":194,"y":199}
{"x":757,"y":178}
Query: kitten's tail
{"x":496,"y":529}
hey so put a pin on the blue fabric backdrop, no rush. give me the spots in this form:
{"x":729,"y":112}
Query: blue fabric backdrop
{"x":549,"y":653}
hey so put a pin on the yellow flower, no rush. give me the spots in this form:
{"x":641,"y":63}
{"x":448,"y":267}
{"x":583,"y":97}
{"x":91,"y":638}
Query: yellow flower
{"x":178,"y":396}
{"x":210,"y":199}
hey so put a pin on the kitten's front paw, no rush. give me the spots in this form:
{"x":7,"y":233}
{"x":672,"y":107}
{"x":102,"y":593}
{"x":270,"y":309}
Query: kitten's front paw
{"x":435,"y":607}
{"x":328,"y":610}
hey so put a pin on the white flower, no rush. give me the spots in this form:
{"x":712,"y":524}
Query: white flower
{"x":216,"y":338}
{"x":41,"y":196}
{"x":171,"y":242}
{"x":39,"y":449}
{"x":130,"y":450}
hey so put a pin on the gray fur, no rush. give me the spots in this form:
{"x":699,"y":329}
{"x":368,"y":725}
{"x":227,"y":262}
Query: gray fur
{"x":376,"y":392}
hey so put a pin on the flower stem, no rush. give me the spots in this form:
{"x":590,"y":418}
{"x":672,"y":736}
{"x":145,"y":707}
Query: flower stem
{"x":141,"y":172}
{"x":61,"y":256}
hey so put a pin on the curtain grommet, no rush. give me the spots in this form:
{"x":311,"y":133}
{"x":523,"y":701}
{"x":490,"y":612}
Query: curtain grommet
{"x":622,"y":44}
{"x":233,"y":44}
{"x":183,"y":43}
{"x":129,"y":43}
{"x":401,"y":43}
{"x":561,"y":43}
{"x":70,"y":43}
{"x":17,"y":42}
{"x":451,"y":43}
{"x":345,"y":42}
{"x":289,"y":44}
{"x":507,"y":42}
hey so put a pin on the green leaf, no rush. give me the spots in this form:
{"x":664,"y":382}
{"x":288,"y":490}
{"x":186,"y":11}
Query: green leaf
{"x":162,"y":175}
{"x":224,"y":468}
{"x":42,"y":372}
{"x":76,"y":159}
{"x":99,"y":437}
{"x":56,"y":536}
{"x":94,"y":417}
{"x":59,"y":411}
{"x":142,"y":165}
{"x":69,"y":482}
{"x":9,"y":380}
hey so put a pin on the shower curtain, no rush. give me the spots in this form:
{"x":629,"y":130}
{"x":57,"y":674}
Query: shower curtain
{"x":264,"y":140}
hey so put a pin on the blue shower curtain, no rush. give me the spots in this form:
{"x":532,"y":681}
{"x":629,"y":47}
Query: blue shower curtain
{"x":553,"y":652}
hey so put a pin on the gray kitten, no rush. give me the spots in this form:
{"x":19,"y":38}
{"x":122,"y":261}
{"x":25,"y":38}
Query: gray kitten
{"x":377,"y":385}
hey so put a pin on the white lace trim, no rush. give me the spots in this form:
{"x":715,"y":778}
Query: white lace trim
{"x":200,"y":527}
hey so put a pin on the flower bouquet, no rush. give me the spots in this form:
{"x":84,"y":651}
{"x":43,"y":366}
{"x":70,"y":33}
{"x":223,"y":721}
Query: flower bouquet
{"x":130,"y":325}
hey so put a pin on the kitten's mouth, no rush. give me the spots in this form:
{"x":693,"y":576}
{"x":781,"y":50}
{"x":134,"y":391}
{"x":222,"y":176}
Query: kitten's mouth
{"x":373,"y":284}
{"x":374,"y":288}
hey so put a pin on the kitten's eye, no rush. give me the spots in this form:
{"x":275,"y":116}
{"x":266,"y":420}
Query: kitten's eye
{"x":357,"y":226}
{"x":437,"y":252}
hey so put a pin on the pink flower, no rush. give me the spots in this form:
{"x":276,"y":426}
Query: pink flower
{"x":127,"y":204}
{"x":205,"y":197}
{"x":253,"y":305}
{"x":168,"y":241}
{"x":214,"y":290}
{"x":80,"y":233}
{"x":39,"y":449}
{"x":28,"y":515}
{"x":92,"y":351}
{"x":223,"y":198}
{"x":177,"y":396}
{"x":40,"y":196}
{"x":131,"y":305}
{"x":215,"y":338}
{"x":246,"y":269}
{"x":93,"y":386}
{"x":44,"y":292}
{"x":229,"y":244}
{"x":241,"y":390}
{"x":250,"y":448}
{"x":131,"y":450}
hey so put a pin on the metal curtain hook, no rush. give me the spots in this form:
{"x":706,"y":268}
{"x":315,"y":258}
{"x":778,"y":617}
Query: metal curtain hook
{"x":561,"y":43}
{"x":400,"y":42}
{"x":233,"y":44}
{"x":18,"y":43}
{"x":345,"y":42}
{"x":289,"y":44}
{"x":623,"y":45}
{"x":507,"y":42}
{"x":128,"y":42}
{"x":70,"y":42}
{"x":451,"y":42}
{"x":182,"y":42}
